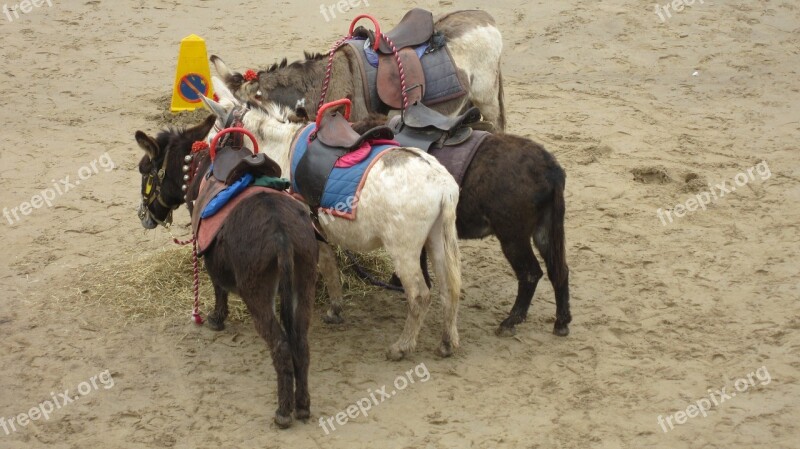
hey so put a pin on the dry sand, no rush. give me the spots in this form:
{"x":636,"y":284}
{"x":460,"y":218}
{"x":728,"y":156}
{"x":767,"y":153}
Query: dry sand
{"x":662,"y":313}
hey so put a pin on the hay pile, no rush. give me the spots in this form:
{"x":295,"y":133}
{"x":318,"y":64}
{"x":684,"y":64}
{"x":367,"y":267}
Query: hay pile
{"x":160,"y":285}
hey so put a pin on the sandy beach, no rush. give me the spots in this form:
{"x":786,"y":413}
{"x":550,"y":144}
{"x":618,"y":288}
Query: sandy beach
{"x":686,"y":323}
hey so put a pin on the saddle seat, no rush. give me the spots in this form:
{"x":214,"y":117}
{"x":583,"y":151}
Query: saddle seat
{"x":417,"y":115}
{"x":232,"y":163}
{"x":335,"y":131}
{"x":415,"y":28}
{"x":423,"y":128}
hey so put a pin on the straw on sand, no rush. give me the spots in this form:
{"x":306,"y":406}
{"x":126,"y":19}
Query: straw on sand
{"x":160,"y":284}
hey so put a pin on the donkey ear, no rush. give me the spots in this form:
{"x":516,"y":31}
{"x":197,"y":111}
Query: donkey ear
{"x":148,"y":144}
{"x":300,"y":115}
{"x":200,"y":132}
{"x":222,"y":68}
{"x":222,"y":90}
{"x":217,"y":109}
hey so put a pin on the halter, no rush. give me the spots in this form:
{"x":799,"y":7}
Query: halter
{"x":151,"y":193}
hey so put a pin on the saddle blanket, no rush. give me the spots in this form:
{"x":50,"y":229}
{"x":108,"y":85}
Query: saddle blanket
{"x":456,"y":158}
{"x":217,"y":201}
{"x":442,"y":82}
{"x":347,"y":177}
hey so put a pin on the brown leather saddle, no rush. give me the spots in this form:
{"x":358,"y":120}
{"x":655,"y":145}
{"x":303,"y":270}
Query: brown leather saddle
{"x":233,"y":163}
{"x":423,"y":128}
{"x":333,"y":139}
{"x":233,"y":160}
{"x":414,"y":29}
{"x":335,"y":133}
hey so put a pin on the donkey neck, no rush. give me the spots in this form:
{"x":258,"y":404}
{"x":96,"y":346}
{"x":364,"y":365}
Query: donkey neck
{"x":201,"y":162}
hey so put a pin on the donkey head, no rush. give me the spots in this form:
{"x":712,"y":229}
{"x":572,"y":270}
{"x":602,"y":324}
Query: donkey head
{"x":262,"y":117}
{"x":286,"y":84}
{"x":162,"y":173}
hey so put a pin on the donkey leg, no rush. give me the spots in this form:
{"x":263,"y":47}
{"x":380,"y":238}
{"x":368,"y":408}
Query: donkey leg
{"x":299,"y":322}
{"x":330,"y":274}
{"x":418,"y":297}
{"x":261,"y":306}
{"x":216,"y":319}
{"x":518,"y":251}
{"x":558,"y":272}
{"x":423,"y":263}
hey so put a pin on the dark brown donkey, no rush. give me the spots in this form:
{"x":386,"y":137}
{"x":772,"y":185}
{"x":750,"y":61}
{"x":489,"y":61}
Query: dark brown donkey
{"x":265,"y":246}
{"x":513,"y":189}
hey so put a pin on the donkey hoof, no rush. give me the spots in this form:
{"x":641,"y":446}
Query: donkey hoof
{"x":283,"y":421}
{"x":444,"y":350}
{"x":395,"y":354}
{"x":214,"y":324}
{"x":332,"y":318}
{"x":302,"y":414}
{"x":506,"y":331}
{"x":562,"y":330}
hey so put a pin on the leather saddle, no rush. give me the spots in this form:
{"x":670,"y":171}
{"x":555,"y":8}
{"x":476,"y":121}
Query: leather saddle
{"x":414,"y":29}
{"x":231,"y":163}
{"x":426,"y":129}
{"x":333,"y":139}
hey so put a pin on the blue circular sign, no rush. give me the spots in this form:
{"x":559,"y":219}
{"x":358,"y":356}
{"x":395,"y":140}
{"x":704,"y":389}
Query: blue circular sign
{"x":192,"y":87}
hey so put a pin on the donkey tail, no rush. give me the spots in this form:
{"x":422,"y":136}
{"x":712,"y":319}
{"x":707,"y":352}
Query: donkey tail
{"x":447,"y":265}
{"x":555,"y":252}
{"x":452,"y":252}
{"x":501,"y":102}
{"x":286,"y":285}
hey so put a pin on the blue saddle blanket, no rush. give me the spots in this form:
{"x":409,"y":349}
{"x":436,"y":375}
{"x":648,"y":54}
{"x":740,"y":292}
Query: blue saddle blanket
{"x":342,"y":187}
{"x":222,"y":198}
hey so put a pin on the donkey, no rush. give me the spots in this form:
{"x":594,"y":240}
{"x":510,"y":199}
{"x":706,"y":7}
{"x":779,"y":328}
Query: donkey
{"x":266,"y":247}
{"x":407,"y":203}
{"x":514,"y":189}
{"x":472,"y":38}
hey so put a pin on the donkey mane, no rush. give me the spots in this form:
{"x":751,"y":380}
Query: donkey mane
{"x":309,"y":57}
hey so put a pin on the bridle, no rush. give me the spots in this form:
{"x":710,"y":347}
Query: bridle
{"x":151,"y":193}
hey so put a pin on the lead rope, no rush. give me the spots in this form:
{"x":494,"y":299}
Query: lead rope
{"x":196,"y":317}
{"x":329,"y":70}
{"x":403,"y":89}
